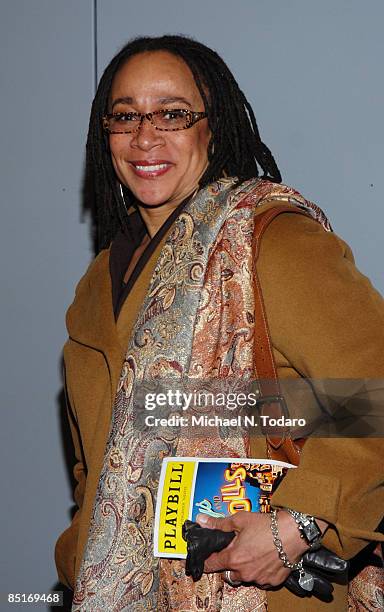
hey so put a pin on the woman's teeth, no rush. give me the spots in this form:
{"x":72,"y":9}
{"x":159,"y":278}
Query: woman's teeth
{"x":154,"y":168}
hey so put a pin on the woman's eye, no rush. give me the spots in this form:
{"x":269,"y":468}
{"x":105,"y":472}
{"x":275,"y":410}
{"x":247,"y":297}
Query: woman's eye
{"x":126,"y":118}
{"x":174,"y":115}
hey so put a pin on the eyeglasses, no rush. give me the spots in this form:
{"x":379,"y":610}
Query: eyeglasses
{"x":167,"y":120}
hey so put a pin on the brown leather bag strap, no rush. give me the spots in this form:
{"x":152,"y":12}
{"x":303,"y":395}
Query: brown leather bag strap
{"x":270,"y":397}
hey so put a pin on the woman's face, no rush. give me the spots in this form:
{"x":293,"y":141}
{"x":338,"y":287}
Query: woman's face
{"x":148,"y":82}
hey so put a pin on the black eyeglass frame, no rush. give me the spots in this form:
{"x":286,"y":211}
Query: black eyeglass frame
{"x":192,"y":118}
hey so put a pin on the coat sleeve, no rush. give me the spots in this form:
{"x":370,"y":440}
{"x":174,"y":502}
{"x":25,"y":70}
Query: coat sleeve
{"x":327,"y":320}
{"x":65,"y":549}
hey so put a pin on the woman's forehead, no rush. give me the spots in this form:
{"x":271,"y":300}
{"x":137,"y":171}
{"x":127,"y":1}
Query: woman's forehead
{"x":157,"y":74}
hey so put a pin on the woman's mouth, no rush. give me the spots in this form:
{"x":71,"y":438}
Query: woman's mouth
{"x":150,"y":169}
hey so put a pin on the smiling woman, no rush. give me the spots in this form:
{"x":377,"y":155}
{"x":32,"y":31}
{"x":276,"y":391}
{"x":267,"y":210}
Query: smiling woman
{"x":158,"y":166}
{"x":174,"y":153}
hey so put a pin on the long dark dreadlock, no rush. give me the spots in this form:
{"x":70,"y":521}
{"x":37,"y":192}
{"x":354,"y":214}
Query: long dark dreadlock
{"x":235,"y":147}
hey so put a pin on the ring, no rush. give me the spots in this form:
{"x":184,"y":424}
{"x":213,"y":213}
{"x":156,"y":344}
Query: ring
{"x":228,"y":579}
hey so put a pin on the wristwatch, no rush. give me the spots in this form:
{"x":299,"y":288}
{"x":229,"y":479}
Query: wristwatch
{"x":308,"y":527}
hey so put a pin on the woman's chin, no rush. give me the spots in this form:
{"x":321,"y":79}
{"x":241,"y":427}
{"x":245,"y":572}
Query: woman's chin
{"x":155,"y":200}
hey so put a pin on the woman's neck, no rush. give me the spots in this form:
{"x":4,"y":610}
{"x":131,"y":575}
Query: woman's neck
{"x":154,"y":218}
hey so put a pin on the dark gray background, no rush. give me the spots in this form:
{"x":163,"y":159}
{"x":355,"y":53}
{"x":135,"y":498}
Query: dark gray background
{"x":312,"y":71}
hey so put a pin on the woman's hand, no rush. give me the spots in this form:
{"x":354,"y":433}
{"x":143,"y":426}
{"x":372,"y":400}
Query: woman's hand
{"x":252,"y":555}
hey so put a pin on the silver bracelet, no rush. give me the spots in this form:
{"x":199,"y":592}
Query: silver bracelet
{"x":279,"y":545}
{"x":306,"y":580}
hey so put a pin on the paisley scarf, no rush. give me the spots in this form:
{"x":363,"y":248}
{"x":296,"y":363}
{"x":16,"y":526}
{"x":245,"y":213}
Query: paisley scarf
{"x":197,"y":321}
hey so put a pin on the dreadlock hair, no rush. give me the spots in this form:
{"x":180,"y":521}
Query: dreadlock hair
{"x":235,"y":147}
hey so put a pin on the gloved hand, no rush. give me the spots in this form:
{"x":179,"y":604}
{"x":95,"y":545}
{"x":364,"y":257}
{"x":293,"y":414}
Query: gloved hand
{"x":201,"y":543}
{"x":322,"y":564}
{"x":325,"y":567}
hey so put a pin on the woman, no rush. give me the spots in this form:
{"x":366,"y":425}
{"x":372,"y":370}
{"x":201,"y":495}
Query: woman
{"x":169,"y":295}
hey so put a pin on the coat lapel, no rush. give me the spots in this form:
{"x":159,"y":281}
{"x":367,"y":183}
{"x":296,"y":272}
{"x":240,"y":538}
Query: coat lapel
{"x":90,"y":319}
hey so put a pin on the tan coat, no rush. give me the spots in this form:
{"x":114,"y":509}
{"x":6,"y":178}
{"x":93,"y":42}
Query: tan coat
{"x":326,"y":321}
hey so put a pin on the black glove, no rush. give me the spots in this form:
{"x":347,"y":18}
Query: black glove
{"x":324,"y":566}
{"x":201,"y":543}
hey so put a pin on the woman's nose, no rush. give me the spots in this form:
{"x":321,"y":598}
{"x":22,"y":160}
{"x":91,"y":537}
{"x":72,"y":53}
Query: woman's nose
{"x":147,"y":136}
